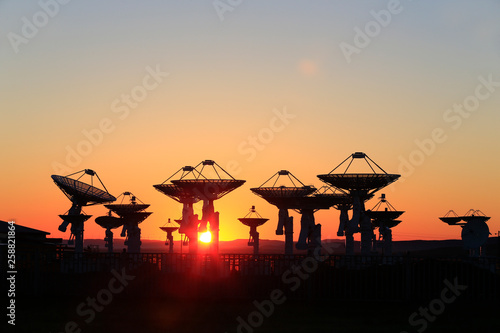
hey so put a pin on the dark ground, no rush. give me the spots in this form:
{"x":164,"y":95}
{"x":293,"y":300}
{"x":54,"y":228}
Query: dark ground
{"x":125,"y":314}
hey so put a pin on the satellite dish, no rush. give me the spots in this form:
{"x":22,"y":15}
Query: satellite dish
{"x":79,"y":191}
{"x":360,"y":186}
{"x":80,"y":194}
{"x":253,"y":220}
{"x":169,"y":228}
{"x":280,"y":190}
{"x":205,"y":182}
{"x":451,"y":218}
{"x":475,"y":234}
{"x":109,"y":222}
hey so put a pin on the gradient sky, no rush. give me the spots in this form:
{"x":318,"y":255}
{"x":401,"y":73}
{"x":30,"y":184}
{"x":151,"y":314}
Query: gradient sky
{"x":226,"y":80}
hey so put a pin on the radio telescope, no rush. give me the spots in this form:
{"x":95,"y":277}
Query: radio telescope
{"x":475,"y":231}
{"x":342,"y":202}
{"x":360,"y":187}
{"x":80,"y":194}
{"x":194,"y":185}
{"x":109,"y":222}
{"x":189,"y":221}
{"x":384,"y":220}
{"x":281,"y":196}
{"x":451,"y":218}
{"x":253,"y":220}
{"x":169,"y":228}
{"x":132,"y":214}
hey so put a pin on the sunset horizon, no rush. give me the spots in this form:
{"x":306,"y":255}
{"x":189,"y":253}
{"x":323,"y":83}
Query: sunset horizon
{"x":250,"y":166}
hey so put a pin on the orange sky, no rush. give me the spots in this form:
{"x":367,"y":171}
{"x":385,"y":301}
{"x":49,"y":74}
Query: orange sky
{"x":139,"y":93}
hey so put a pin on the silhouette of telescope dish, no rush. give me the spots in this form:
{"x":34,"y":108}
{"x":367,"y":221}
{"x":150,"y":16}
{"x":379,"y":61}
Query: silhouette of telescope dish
{"x":253,"y":220}
{"x":475,"y":231}
{"x":169,"y":228}
{"x":475,"y":234}
{"x":384,"y":218}
{"x":132,"y":214}
{"x":366,"y":182}
{"x":279,"y":195}
{"x":342,"y":202}
{"x":337,"y":196}
{"x":175,"y":192}
{"x":310,"y":232}
{"x":388,"y":214}
{"x":80,"y":194}
{"x":451,"y":218}
{"x":208,"y":189}
{"x":194,"y":185}
{"x":189,"y":221}
{"x":284,"y":197}
{"x":109,"y":222}
{"x":475,"y":215}
{"x":360,"y":186}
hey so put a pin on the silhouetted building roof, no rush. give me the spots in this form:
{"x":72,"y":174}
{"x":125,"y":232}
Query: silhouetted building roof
{"x":27,"y":237}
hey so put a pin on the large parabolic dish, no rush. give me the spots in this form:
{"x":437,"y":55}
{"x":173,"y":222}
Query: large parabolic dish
{"x":79,"y":191}
{"x":80,"y":194}
{"x":284,"y":191}
{"x":475,"y":231}
{"x":360,"y":186}
{"x":131,"y":214}
{"x":207,"y":182}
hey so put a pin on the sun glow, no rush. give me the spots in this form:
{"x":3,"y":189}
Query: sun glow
{"x":206,"y":237}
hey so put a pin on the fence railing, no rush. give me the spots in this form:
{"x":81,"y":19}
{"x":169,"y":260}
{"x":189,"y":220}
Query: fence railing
{"x":246,"y":275}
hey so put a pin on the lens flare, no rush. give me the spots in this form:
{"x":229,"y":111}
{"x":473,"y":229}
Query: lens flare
{"x":206,"y":237}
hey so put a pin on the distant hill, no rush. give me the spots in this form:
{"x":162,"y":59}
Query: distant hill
{"x":452,"y":247}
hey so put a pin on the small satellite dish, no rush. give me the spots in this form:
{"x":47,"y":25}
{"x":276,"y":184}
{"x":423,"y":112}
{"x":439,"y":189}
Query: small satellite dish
{"x":169,"y":228}
{"x":475,"y":234}
{"x":109,"y":222}
{"x":253,"y":220}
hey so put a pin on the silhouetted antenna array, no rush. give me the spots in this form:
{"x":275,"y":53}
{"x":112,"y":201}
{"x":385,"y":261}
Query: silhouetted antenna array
{"x":109,"y":222}
{"x":278,"y":194}
{"x":342,"y":202}
{"x":360,"y":187}
{"x":384,"y":216}
{"x":253,"y":220}
{"x":304,"y":199}
{"x":169,"y":228}
{"x":475,"y":231}
{"x":132,"y":213}
{"x":80,"y":194}
{"x":194,"y":184}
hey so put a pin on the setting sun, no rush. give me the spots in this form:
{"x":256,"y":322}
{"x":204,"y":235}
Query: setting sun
{"x":206,"y":237}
